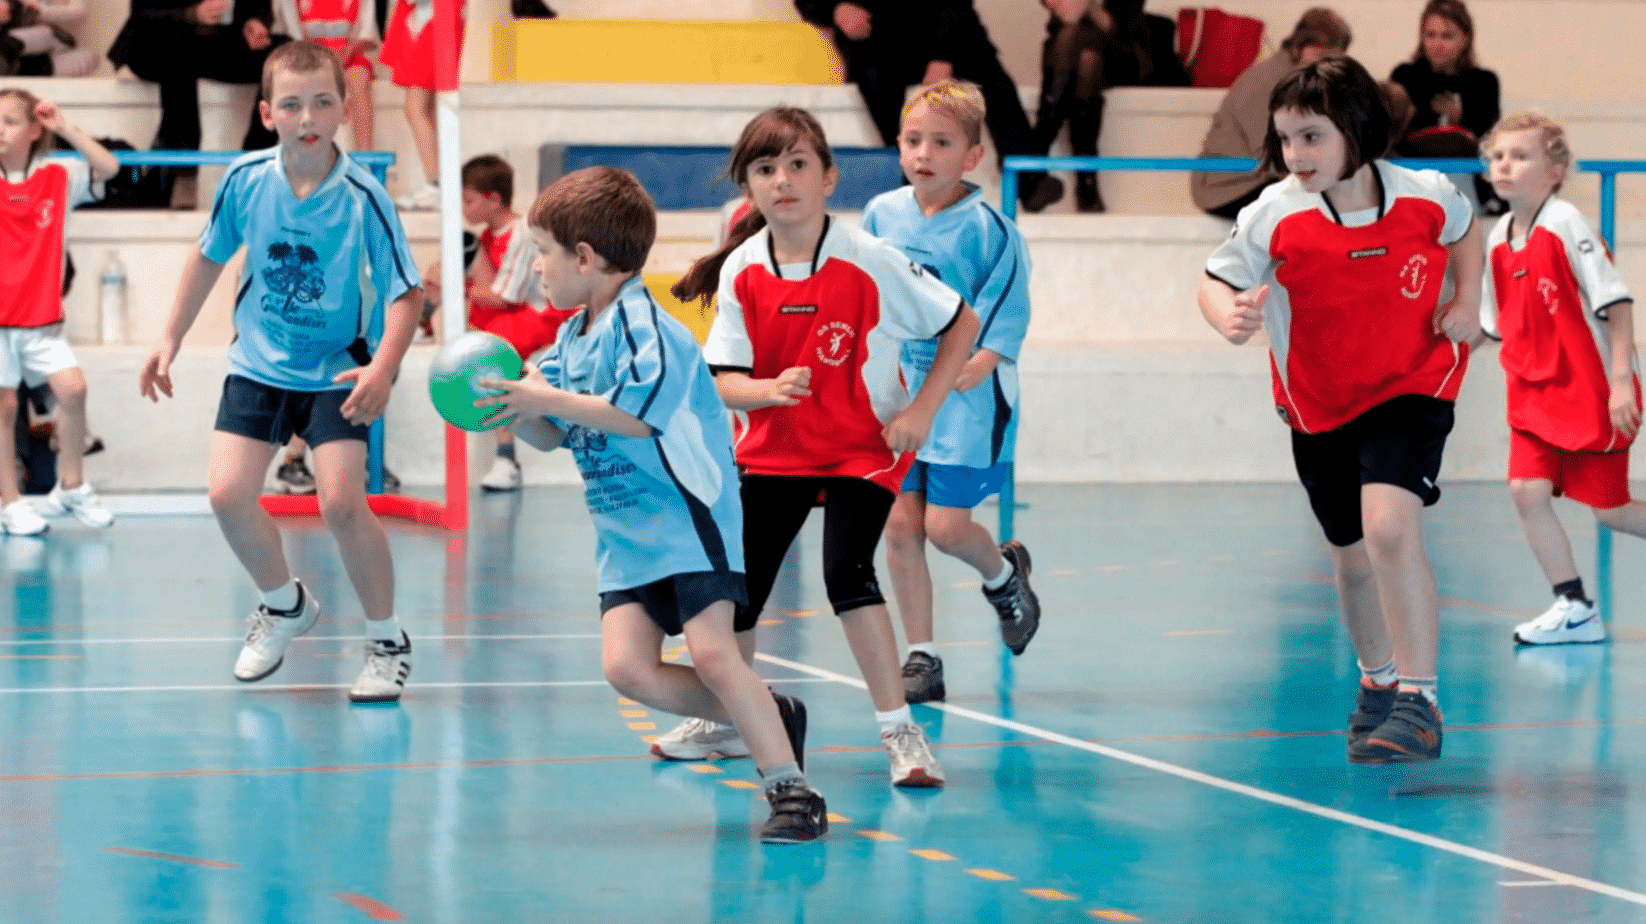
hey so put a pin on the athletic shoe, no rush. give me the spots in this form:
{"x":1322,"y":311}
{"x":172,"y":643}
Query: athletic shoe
{"x":913,"y":765}
{"x":383,"y":677}
{"x":1372,"y":705}
{"x":923,"y":678}
{"x":268,"y":633}
{"x":81,"y":501}
{"x":1567,"y":622}
{"x":425,"y":198}
{"x":793,"y":713}
{"x":701,"y":739}
{"x":798,"y":814}
{"x":294,"y":477}
{"x":504,"y":476}
{"x":1016,"y":603}
{"x":19,"y":518}
{"x":1411,"y":733}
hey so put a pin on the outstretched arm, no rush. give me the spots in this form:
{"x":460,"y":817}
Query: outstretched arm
{"x":199,"y":275}
{"x":1235,"y":315}
{"x":102,"y":163}
{"x":907,"y":431}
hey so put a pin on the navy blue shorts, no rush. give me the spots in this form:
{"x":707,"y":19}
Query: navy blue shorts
{"x":675,"y":599}
{"x":271,"y":415}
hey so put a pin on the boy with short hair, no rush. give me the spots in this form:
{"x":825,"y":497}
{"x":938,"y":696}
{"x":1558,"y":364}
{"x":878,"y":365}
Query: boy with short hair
{"x":625,"y":388}
{"x":303,"y":359}
{"x":1553,"y":297}
{"x":943,"y":223}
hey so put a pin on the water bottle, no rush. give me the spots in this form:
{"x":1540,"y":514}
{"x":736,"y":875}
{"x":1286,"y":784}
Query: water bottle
{"x":112,"y":301}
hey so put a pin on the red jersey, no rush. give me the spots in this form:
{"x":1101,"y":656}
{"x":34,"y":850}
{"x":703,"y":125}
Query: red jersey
{"x":331,"y":23}
{"x":1352,"y":297}
{"x":525,"y":319}
{"x":33,"y":221}
{"x":1547,"y":301}
{"x":845,"y":317}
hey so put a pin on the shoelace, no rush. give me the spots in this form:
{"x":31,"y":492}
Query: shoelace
{"x":380,"y":660}
{"x":262,"y":623}
{"x":1557,"y":615}
{"x":907,"y":742}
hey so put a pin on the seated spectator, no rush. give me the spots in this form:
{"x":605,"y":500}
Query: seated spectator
{"x":1242,"y":119}
{"x":36,"y":39}
{"x":1092,"y":45}
{"x":348,"y":29}
{"x":1455,"y":102}
{"x":887,"y":45}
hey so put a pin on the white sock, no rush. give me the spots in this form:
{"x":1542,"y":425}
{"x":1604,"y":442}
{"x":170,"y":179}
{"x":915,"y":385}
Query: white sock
{"x":999,"y":580}
{"x":283,"y":599}
{"x":927,"y":648}
{"x":890,"y":720}
{"x":383,"y":630}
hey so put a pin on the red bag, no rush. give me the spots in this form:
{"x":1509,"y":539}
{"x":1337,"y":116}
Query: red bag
{"x":1216,"y":46}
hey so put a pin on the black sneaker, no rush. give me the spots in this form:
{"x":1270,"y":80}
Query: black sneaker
{"x":799,"y":814}
{"x":1372,"y":705}
{"x":793,"y":713}
{"x":1411,"y":733}
{"x":1015,"y":601}
{"x":923,"y":678}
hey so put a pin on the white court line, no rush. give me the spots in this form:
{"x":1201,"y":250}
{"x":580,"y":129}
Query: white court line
{"x":1554,"y":877}
{"x":202,"y":640}
{"x":314,"y":687}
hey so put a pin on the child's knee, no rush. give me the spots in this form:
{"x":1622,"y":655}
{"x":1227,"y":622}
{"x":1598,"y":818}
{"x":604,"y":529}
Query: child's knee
{"x":8,"y":407}
{"x":948,"y":528}
{"x":904,"y":526}
{"x":627,"y":673}
{"x":1530,"y":493}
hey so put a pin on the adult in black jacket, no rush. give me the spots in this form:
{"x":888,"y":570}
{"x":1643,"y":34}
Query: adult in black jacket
{"x":1455,"y":101}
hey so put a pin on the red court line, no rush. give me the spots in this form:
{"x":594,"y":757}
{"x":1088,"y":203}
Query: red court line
{"x":172,"y":857}
{"x":374,"y":909}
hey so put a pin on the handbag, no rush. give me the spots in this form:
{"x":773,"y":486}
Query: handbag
{"x":1217,"y":46}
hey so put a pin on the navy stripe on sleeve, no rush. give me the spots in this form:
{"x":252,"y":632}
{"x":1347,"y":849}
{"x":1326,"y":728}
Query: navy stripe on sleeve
{"x":1005,"y":233}
{"x":388,"y":231}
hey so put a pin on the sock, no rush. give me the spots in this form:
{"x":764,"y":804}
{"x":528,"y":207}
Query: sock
{"x":928,"y":648}
{"x":890,"y":720}
{"x":1428,"y":686}
{"x":505,"y":451}
{"x":383,"y":630}
{"x":999,"y":580}
{"x":782,"y":773}
{"x":283,"y":599}
{"x":1572,"y":590}
{"x":1384,"y":676}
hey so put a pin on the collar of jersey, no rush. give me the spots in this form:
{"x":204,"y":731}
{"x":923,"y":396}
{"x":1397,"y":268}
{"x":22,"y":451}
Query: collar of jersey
{"x":332,"y":179}
{"x":973,"y":193}
{"x":1509,"y":238}
{"x":817,"y":252}
{"x":1382,"y":196}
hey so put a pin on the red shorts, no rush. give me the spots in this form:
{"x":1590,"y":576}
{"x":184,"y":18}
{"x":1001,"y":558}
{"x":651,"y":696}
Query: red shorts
{"x":1598,"y":479}
{"x":410,"y":58}
{"x":524,"y":329}
{"x":358,"y":59}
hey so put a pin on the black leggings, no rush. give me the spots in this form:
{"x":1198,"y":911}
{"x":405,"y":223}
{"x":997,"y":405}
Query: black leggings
{"x":854,"y":515}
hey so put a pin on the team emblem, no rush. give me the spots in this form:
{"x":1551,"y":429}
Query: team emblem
{"x":837,"y":342}
{"x":1414,"y":276}
{"x":1548,"y":289}
{"x":295,"y":282}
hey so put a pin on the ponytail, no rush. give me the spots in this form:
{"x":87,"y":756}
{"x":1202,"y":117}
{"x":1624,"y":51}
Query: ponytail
{"x":703,"y":279}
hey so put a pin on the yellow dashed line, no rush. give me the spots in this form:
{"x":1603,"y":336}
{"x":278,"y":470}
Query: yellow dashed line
{"x":632,"y":713}
{"x":648,"y":739}
{"x":1110,"y":914}
{"x":800,"y":613}
{"x":769,"y":622}
{"x":642,"y":726}
{"x":835,"y":818}
{"x":625,"y":701}
{"x":705,"y":769}
{"x":1049,"y":894}
{"x":880,"y":835}
{"x":740,"y":784}
{"x":993,"y":875}
{"x":927,"y":854}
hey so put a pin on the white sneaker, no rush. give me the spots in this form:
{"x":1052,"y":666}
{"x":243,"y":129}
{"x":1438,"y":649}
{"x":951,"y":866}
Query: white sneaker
{"x":425,"y":198}
{"x":1566,"y":622}
{"x":383,"y":677}
{"x":267,"y":636}
{"x":82,"y":502}
{"x":913,"y":765}
{"x":700,"y":739}
{"x":504,"y":476}
{"x":19,"y":518}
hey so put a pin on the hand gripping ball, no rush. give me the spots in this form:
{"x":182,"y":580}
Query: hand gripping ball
{"x":456,"y":373}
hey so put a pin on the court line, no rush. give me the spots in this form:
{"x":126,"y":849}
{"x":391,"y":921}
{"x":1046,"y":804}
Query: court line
{"x":203,"y":640}
{"x":1251,"y":792}
{"x":323,"y":687}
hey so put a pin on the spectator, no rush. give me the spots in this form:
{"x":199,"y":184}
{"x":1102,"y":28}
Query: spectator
{"x":36,"y":41}
{"x":1092,"y":45}
{"x":1455,"y":102}
{"x":348,"y":29}
{"x":889,"y":44}
{"x":1242,"y":119}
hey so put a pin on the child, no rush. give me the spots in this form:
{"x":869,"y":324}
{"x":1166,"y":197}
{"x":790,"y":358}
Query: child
{"x":504,"y":296}
{"x":812,"y":314}
{"x":412,"y":54}
{"x":1343,"y":262}
{"x":349,"y":29}
{"x":625,"y":388}
{"x":303,"y":360}
{"x":36,"y":193}
{"x":1567,"y":325}
{"x":942,"y":222}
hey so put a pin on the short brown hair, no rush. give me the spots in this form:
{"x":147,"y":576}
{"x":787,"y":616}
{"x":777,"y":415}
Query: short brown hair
{"x":960,"y":100}
{"x":1551,"y":137}
{"x":1320,"y":27}
{"x":301,"y":58}
{"x":603,"y":207}
{"x":1455,"y":11}
{"x":489,"y":175}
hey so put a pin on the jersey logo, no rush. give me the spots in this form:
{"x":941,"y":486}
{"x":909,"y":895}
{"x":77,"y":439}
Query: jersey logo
{"x":44,"y":221}
{"x":295,"y":283}
{"x":586,"y":446}
{"x":1586,"y":246}
{"x":797,"y":309}
{"x":1285,"y":418}
{"x":1415,"y":275}
{"x":836,"y":347}
{"x":1368,"y":252}
{"x":1548,"y":289}
{"x":1519,"y":273}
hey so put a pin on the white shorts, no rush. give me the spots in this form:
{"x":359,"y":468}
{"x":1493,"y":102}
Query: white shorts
{"x":33,"y":354}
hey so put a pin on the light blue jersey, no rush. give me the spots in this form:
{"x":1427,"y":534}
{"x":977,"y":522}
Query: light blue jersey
{"x":667,"y":504}
{"x":979,"y":253}
{"x":317,"y":269}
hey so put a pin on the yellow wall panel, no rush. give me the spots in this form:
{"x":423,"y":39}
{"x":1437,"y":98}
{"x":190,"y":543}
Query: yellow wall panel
{"x":661,"y":51}
{"x":692,"y":315}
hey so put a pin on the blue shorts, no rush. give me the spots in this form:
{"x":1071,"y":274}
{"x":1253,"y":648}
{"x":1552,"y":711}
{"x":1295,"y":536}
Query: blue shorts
{"x":958,"y":486}
{"x":264,"y":412}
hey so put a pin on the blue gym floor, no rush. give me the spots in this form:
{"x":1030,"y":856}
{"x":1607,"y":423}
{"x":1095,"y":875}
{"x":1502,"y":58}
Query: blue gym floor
{"x":1168,"y":750}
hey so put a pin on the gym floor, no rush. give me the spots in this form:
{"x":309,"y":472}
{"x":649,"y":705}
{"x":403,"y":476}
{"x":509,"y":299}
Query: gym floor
{"x":1168,"y":750}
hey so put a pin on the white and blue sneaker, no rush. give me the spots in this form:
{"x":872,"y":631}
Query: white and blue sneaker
{"x":1566,"y":622}
{"x":268,"y":633}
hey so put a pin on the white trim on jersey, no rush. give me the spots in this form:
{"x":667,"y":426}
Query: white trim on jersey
{"x":516,"y":281}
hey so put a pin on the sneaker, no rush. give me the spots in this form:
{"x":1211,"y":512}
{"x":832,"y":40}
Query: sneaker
{"x":1015,"y":601}
{"x":913,"y":765}
{"x":294,"y":477}
{"x":425,"y":198}
{"x":383,"y":677}
{"x":1411,"y":733}
{"x":504,"y":476}
{"x":793,"y":713}
{"x":19,"y":518}
{"x":268,"y":634}
{"x":701,"y":739}
{"x":1567,"y":622}
{"x":81,"y":501}
{"x":923,"y":678}
{"x":798,"y":814}
{"x":1372,"y":705}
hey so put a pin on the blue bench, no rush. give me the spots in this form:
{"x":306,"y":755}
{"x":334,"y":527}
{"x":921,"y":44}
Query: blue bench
{"x":694,"y":177}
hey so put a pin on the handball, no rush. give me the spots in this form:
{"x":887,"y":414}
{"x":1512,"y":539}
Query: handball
{"x":456,"y":373}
